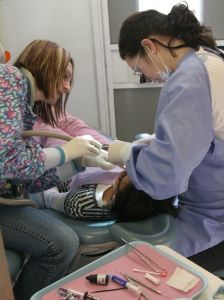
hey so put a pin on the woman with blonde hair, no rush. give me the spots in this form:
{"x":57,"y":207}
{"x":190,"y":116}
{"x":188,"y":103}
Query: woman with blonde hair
{"x":42,"y":72}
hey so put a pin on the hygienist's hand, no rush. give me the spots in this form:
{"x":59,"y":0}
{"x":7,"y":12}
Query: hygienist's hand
{"x":119,"y":151}
{"x":100,"y":160}
{"x":81,"y":145}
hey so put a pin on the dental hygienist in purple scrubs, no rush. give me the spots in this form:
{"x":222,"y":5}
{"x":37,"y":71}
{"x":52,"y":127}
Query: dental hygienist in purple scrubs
{"x":186,"y":155}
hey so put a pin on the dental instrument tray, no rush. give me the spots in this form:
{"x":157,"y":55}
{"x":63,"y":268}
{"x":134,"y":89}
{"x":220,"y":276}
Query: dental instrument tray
{"x":122,"y":261}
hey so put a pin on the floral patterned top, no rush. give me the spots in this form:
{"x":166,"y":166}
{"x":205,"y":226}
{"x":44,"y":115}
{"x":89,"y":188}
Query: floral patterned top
{"x":21,"y":158}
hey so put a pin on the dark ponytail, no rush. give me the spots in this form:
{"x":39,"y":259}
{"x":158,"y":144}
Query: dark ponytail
{"x":183,"y":25}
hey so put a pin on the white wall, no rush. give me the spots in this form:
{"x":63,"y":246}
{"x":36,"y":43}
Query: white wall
{"x":69,"y":23}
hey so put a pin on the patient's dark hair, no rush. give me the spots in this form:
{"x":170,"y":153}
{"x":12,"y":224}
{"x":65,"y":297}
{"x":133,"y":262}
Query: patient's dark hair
{"x":135,"y":205}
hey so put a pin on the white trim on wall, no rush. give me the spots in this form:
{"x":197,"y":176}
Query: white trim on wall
{"x":107,"y":45}
{"x":100,"y":21}
{"x":101,"y":37}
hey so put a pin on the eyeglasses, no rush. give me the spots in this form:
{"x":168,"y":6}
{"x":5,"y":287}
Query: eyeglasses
{"x":137,"y":70}
{"x":117,"y":183}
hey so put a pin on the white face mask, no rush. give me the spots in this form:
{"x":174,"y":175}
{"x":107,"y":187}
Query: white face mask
{"x":164,"y":75}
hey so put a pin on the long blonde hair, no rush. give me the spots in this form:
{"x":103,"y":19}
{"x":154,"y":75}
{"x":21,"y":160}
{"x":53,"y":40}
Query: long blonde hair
{"x":47,"y":62}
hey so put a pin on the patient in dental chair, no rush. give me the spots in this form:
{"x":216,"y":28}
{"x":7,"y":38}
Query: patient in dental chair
{"x":97,"y":194}
{"x":120,"y":201}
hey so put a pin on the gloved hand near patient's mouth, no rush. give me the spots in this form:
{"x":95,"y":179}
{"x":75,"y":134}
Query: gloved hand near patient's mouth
{"x":100,"y":160}
{"x":79,"y":146}
{"x":119,"y":151}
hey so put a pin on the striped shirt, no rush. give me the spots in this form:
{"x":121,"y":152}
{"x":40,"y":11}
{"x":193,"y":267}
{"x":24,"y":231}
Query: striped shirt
{"x":82,"y":204}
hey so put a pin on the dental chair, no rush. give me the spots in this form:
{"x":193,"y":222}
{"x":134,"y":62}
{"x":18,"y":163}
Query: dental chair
{"x":98,"y":238}
{"x":95,"y":241}
{"x":157,"y":230}
{"x":95,"y":238}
